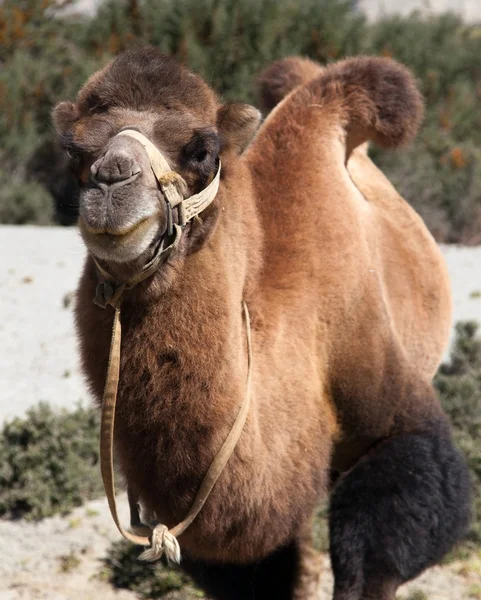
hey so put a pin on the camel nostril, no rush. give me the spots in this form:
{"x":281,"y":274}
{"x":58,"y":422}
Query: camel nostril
{"x":135,"y":168}
{"x":114,"y":166}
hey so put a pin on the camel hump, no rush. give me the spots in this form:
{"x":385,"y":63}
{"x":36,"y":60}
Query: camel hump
{"x":373,"y":98}
{"x":378,"y":100}
{"x":283,"y":76}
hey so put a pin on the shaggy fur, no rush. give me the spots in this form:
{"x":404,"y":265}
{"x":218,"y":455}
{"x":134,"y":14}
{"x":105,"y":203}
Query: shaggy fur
{"x":397,"y":512}
{"x":281,"y":77}
{"x":350,"y":307}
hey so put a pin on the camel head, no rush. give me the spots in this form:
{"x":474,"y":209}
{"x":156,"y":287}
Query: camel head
{"x":122,"y":214}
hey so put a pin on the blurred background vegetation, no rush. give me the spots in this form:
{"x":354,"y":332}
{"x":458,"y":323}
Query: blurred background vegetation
{"x":46,"y":55}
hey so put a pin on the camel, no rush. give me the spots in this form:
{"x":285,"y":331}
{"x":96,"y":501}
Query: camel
{"x":349,"y":305}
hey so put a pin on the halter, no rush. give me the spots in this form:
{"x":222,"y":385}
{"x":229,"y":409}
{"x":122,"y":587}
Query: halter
{"x":173,"y":188}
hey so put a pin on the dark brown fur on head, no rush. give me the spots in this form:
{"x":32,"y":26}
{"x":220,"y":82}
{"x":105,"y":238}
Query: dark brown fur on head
{"x":147,"y":80}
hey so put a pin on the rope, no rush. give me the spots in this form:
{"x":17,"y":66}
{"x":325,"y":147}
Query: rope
{"x":107,"y":426}
{"x":162,"y":541}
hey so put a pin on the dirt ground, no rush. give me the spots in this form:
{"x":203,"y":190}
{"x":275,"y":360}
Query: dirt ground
{"x":60,"y":558}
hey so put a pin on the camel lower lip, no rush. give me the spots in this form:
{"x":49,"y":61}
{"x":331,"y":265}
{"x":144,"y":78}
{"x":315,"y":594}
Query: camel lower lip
{"x":116,"y":233}
{"x":123,"y":245}
{"x":115,"y":236}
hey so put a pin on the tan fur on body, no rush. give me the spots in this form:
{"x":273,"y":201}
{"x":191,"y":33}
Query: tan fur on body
{"x":348,"y":294}
{"x":376,"y":257}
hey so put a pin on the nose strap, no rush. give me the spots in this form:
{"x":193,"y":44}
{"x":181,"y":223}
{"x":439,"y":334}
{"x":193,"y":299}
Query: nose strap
{"x":173,"y":185}
{"x":158,"y":162}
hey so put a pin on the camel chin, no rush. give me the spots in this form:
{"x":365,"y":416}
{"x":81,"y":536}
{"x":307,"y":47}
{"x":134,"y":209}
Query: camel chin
{"x":122,"y":245}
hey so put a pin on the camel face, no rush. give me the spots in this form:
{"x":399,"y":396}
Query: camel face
{"x":122,"y":212}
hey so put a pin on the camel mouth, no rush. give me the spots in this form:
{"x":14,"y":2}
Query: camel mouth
{"x":122,"y":243}
{"x":115,"y":234}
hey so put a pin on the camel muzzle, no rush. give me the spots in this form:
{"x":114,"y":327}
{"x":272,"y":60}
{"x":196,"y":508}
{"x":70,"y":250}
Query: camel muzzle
{"x":118,"y":165}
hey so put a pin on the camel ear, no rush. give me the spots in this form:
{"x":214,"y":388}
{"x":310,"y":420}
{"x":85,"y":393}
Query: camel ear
{"x":237,"y":124}
{"x":64,"y":116}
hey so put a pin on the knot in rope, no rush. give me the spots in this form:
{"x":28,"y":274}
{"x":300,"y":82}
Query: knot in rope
{"x":108,"y":293}
{"x":162,"y":542}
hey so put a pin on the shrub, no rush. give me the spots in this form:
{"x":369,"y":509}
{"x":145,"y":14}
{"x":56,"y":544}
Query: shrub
{"x":24,"y":202}
{"x":440,"y":173}
{"x":49,"y":462}
{"x":46,"y":59}
{"x":459,"y":387}
{"x":417,"y":595}
{"x":149,"y":580}
{"x":320,"y":530}
{"x":41,"y":62}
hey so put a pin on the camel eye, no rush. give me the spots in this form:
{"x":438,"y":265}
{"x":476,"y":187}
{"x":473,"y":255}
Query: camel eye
{"x":75,"y":158}
{"x":200,"y":155}
{"x":203,"y":146}
{"x":196,"y":151}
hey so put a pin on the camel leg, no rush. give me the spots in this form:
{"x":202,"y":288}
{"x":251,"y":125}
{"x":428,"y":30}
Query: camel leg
{"x":290,"y":573}
{"x":397,"y":512}
{"x":309,"y":567}
{"x":269,"y":579}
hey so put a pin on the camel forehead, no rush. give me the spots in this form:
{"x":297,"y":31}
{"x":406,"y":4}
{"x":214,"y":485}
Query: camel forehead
{"x":146,"y":80}
{"x":168,"y":129}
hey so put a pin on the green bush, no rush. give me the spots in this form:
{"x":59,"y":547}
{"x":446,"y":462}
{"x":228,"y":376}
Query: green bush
{"x":123,"y":569}
{"x":45,"y":59}
{"x":24,"y":202}
{"x":417,"y":595}
{"x":459,"y":387}
{"x":440,"y":173}
{"x":49,"y":462}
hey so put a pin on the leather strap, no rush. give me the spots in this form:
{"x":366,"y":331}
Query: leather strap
{"x":172,"y":184}
{"x":108,"y":424}
{"x":110,"y":292}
